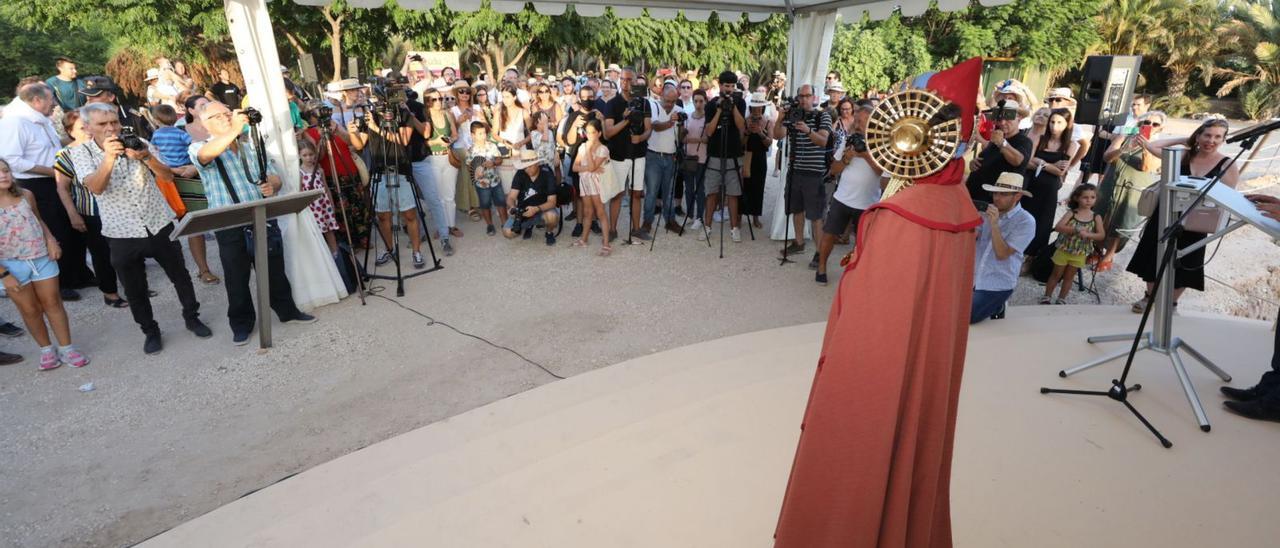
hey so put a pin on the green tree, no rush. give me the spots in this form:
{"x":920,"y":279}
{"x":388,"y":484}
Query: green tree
{"x":875,"y":55}
{"x":1256,"y":25}
{"x":1192,"y":34}
{"x":25,"y":52}
{"x":182,"y":28}
{"x":1128,"y":27}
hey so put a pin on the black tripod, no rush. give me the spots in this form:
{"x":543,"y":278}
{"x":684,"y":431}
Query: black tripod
{"x":1161,"y":299}
{"x":326,"y":144}
{"x":392,"y":152}
{"x":724,"y":125}
{"x":786,"y":193}
{"x":678,"y":158}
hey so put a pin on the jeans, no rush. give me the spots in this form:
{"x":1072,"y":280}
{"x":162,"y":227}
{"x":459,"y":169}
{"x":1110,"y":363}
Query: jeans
{"x":446,"y":178}
{"x":986,"y":303}
{"x":128,"y":257}
{"x":237,"y":261}
{"x":659,"y":179}
{"x":93,"y":240}
{"x":424,"y":176}
{"x":695,"y":193}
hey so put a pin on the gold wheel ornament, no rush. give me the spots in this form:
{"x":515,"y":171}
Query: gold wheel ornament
{"x":901,"y":141}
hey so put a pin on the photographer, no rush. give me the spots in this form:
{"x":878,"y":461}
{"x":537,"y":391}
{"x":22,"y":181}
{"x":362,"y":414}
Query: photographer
{"x":1005,"y":232}
{"x":1006,"y":152}
{"x":627,"y":126}
{"x":572,"y":136}
{"x":136,"y":220}
{"x":808,"y":129}
{"x":725,"y":129}
{"x":231,"y":174}
{"x":660,"y":163}
{"x":858,"y":188}
{"x":533,"y":195}
{"x":392,"y":193}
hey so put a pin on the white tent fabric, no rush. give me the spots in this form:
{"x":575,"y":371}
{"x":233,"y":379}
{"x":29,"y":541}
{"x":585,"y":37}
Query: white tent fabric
{"x":311,"y":269}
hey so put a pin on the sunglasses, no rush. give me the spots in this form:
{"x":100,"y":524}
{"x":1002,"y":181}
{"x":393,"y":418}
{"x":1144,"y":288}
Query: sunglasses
{"x":686,"y":87}
{"x":1057,"y":100}
{"x":463,"y":92}
{"x":1149,"y":123}
{"x":433,"y":99}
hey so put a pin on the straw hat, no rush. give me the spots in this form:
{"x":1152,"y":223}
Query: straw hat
{"x":1008,"y":182}
{"x":1061,"y":93}
{"x":613,"y":67}
{"x":835,"y":87}
{"x":526,"y":159}
{"x":758,"y":99}
{"x":152,"y":74}
{"x":344,"y":85}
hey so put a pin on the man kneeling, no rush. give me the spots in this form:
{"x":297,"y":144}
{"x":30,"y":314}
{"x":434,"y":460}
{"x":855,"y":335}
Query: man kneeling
{"x":532,"y":196}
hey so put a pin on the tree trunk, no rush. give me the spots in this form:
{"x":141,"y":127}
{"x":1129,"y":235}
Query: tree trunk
{"x":1178,"y":82}
{"x":335,"y":41}
{"x":293,"y":41}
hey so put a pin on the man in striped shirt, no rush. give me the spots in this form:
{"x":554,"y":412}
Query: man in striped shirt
{"x":808,"y":138}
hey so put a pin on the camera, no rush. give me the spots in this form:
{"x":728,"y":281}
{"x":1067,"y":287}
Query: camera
{"x":681,"y":117}
{"x":795,"y":114}
{"x":254,"y":115}
{"x":516,"y":213}
{"x":981,"y":205}
{"x":1001,"y":112}
{"x":639,"y":107}
{"x":130,"y":140}
{"x":858,"y":141}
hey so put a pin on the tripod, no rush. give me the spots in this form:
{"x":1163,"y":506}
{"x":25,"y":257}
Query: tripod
{"x":678,"y":159}
{"x":786,"y":194}
{"x":391,"y":150}
{"x":723,"y":127}
{"x":326,"y":144}
{"x":1160,"y":339}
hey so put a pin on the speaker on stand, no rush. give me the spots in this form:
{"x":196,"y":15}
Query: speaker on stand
{"x":1107,"y":89}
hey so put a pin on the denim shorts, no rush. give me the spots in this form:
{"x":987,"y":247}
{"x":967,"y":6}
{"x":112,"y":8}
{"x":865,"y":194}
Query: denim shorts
{"x":491,"y":197}
{"x":403,"y":193}
{"x":31,"y":270}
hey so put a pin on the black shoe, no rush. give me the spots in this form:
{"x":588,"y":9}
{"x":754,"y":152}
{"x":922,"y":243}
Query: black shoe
{"x":152,"y":345}
{"x":595,"y":227}
{"x":1267,"y":409}
{"x":673,"y":226}
{"x":577,"y":230}
{"x":9,"y":330}
{"x":9,"y":359}
{"x":241,"y":339}
{"x":490,"y":230}
{"x":813,"y":263}
{"x":1246,"y":394}
{"x":551,"y":239}
{"x":613,"y":235}
{"x":70,"y":295}
{"x":528,"y":234}
{"x":679,"y":211}
{"x":641,"y":235}
{"x":572,"y":216}
{"x":999,"y":315}
{"x":820,"y":278}
{"x":198,"y":327}
{"x":301,"y":317}
{"x":794,"y":248}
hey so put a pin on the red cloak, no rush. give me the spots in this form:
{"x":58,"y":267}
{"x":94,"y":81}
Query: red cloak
{"x":873,"y":466}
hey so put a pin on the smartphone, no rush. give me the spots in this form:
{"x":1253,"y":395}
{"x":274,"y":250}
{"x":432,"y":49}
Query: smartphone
{"x":1144,"y":131}
{"x":1129,"y":130}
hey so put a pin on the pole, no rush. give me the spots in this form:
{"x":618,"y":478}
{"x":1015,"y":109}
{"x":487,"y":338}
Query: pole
{"x":264,"y":283}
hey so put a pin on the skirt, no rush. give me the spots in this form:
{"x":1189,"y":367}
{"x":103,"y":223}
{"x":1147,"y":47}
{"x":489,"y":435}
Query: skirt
{"x":1188,"y":271}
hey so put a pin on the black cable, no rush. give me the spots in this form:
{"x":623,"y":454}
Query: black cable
{"x":376,"y":292}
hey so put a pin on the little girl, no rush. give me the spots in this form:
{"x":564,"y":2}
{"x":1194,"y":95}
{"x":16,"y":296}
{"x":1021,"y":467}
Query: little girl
{"x":1078,"y":230}
{"x":483,"y":160}
{"x":590,"y":163}
{"x":30,"y":274}
{"x":322,"y":207}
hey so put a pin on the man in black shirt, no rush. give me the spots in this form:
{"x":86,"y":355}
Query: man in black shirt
{"x":808,"y":167}
{"x":533,"y":195}
{"x":392,"y":191}
{"x":1001,"y":154}
{"x":572,"y":136}
{"x":627,"y":147}
{"x":101,"y":89}
{"x":226,"y":92}
{"x":724,"y":131}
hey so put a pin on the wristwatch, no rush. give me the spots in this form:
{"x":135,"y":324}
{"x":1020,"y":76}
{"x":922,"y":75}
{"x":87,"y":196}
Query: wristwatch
{"x":4,"y":274}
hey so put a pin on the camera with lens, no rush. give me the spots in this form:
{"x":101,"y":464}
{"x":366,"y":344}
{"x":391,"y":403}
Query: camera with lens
{"x":681,"y":117}
{"x":254,"y":116}
{"x":981,"y":205}
{"x":639,"y":107}
{"x":516,"y":213}
{"x":858,"y":141}
{"x":1002,"y":112}
{"x":795,"y":114}
{"x":130,"y":140}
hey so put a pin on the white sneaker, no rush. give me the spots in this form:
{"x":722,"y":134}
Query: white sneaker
{"x":697,"y":225}
{"x":735,"y":234}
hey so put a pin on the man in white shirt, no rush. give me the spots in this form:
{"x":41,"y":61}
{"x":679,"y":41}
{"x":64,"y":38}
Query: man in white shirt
{"x":28,"y":143}
{"x":859,"y":188}
{"x":660,"y":162}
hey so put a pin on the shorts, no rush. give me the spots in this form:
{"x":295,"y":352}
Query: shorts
{"x":838,"y":218}
{"x":622,"y":170}
{"x":31,"y":270}
{"x":1062,"y":258}
{"x":403,"y":193}
{"x":491,"y":197}
{"x":732,"y":178}
{"x":806,"y":195}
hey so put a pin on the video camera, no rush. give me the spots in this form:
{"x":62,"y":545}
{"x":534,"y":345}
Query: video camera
{"x":1001,"y":112}
{"x":639,"y":107}
{"x":794,"y":113}
{"x":858,"y":141}
{"x":130,"y":140}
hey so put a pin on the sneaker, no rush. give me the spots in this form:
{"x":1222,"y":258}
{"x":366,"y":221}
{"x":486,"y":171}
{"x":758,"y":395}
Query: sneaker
{"x":1045,"y":300}
{"x":418,"y":261}
{"x":198,"y":327}
{"x":697,"y":225}
{"x":240,"y":339}
{"x":640,"y":235}
{"x":528,"y":234}
{"x":577,"y":230}
{"x":1139,"y":306}
{"x":301,"y":317}
{"x":9,"y":330}
{"x":70,"y":295}
{"x":813,"y":263}
{"x":999,"y":315}
{"x":384,"y":258}
{"x":551,"y":239}
{"x":152,"y":345}
{"x":735,"y":234}
{"x":448,"y":248}
{"x":820,"y":278}
{"x":794,"y":248}
{"x":489,"y":230}
{"x":9,"y":359}
{"x":1059,"y":301}
{"x":595,"y":227}
{"x":572,"y":216}
{"x":673,"y":226}
{"x":73,"y":358}
{"x":49,"y":361}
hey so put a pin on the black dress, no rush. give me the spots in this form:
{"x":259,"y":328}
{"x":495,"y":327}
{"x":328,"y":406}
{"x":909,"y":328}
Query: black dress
{"x":753,"y":188}
{"x":1189,"y":270}
{"x":1043,"y":202}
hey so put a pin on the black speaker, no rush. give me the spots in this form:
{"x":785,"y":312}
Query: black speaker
{"x":1107,"y":90}
{"x":309,"y":69}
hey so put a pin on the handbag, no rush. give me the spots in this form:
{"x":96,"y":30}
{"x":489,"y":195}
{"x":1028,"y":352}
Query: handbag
{"x":690,"y":164}
{"x":1147,"y":200}
{"x":454,"y":159}
{"x":171,"y":196}
{"x":361,"y":167}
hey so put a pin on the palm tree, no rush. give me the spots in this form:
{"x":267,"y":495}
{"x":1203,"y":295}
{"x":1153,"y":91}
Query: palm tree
{"x":1257,"y":28}
{"x":1128,"y":27}
{"x":1190,"y":37}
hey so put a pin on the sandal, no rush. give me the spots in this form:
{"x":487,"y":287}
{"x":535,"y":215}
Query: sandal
{"x":117,"y":302}
{"x":1103,"y":266}
{"x":605,"y":250}
{"x":474,"y":214}
{"x":209,"y":278}
{"x":455,"y":231}
{"x":1046,"y":300}
{"x":579,"y":243}
{"x":842,"y":240}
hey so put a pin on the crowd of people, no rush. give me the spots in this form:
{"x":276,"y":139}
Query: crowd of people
{"x":535,"y":151}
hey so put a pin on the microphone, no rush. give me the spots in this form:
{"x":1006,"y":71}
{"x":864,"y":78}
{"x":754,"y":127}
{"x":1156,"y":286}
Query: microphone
{"x":1255,"y":131}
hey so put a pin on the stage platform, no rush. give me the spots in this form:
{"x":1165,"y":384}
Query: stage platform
{"x":691,"y":448}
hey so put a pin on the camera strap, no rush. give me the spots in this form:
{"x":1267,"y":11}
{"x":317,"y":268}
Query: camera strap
{"x":226,"y":178}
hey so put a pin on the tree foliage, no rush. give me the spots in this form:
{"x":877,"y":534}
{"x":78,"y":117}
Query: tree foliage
{"x":25,"y":52}
{"x":876,"y":55}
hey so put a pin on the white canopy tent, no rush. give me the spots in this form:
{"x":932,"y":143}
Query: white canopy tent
{"x":813,"y":24}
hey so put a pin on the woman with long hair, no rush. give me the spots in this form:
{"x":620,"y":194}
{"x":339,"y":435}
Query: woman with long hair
{"x":1133,"y":168}
{"x":1044,"y":175}
{"x":695,"y":157}
{"x":545,"y":102}
{"x":759,"y":127}
{"x":843,"y":125}
{"x":512,"y":120}
{"x":1202,"y":160}
{"x":465,"y":110}
{"x":444,"y":131}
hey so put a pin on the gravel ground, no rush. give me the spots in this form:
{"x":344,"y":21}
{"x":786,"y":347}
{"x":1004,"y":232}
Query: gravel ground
{"x":163,"y":439}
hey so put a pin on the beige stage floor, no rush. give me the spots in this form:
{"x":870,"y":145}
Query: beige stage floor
{"x":692,"y":447}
